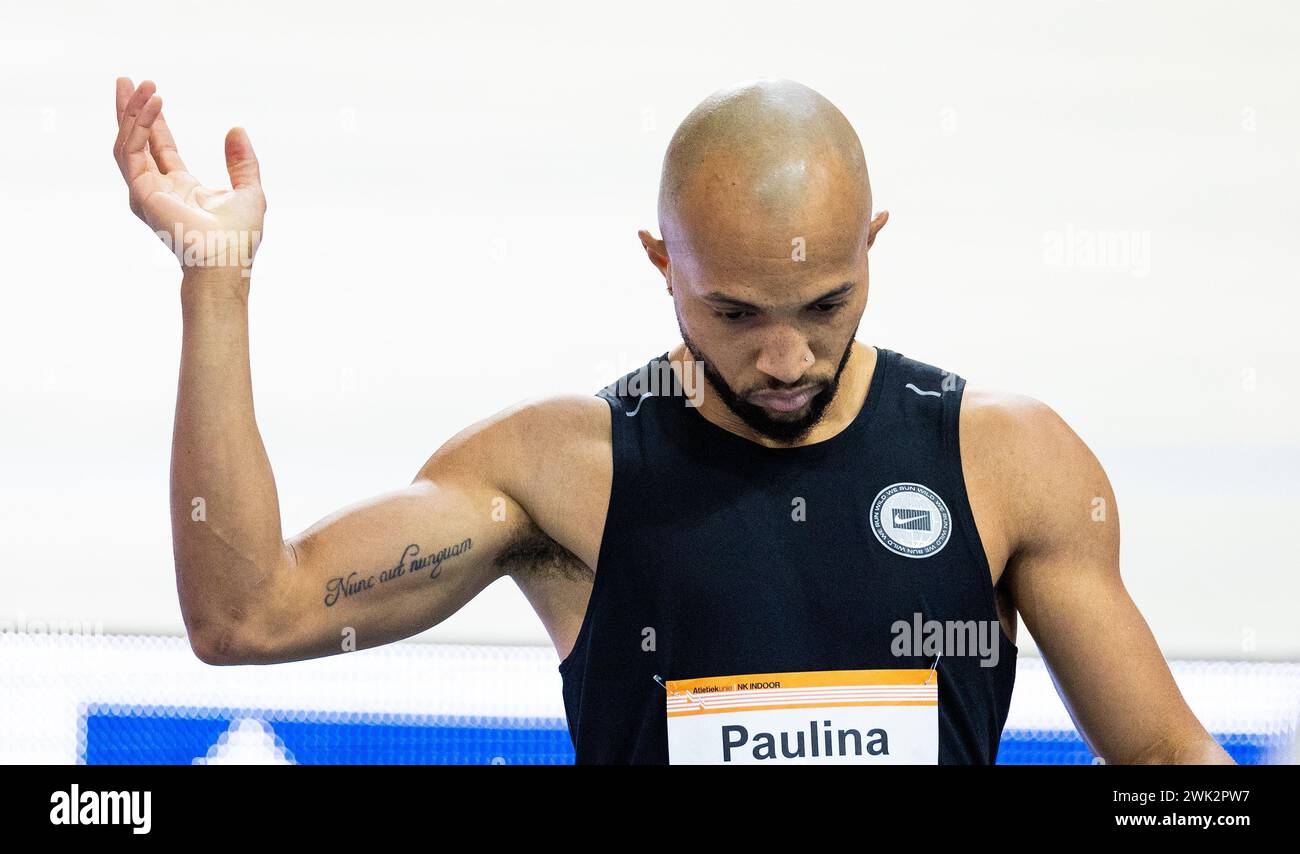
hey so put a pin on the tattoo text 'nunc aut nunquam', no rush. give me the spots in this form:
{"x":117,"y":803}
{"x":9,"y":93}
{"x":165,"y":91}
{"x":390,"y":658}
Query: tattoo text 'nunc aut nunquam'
{"x":340,"y":587}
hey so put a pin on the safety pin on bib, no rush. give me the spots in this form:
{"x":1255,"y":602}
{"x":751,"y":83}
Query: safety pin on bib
{"x":932,"y":668}
{"x":687,"y":694}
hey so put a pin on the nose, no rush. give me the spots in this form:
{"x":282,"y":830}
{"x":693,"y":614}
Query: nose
{"x":785,"y":356}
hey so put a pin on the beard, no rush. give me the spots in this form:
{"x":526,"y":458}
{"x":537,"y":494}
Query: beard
{"x":755,"y":416}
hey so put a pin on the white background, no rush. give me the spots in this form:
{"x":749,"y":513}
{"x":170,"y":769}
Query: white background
{"x":454,"y":197}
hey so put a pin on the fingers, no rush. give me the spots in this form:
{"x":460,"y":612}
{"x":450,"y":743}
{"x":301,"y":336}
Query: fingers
{"x":136,"y":148}
{"x":138,"y":116}
{"x":163,"y":147}
{"x":124,"y":89}
{"x":130,"y":106}
{"x":241,"y":162}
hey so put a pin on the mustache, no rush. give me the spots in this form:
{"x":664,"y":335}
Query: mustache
{"x":819,"y":385}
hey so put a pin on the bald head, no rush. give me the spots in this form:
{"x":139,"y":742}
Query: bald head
{"x":765,"y":211}
{"x":766,"y":154}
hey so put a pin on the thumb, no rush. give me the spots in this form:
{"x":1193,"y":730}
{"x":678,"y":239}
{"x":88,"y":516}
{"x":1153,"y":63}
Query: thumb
{"x":241,"y":162}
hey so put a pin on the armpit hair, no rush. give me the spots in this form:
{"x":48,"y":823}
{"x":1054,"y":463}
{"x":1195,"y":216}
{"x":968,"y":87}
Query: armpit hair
{"x":534,"y":554}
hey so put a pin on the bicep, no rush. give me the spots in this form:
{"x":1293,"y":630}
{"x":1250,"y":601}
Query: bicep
{"x":381,"y":570}
{"x":393,"y":566}
{"x":1064,"y":578}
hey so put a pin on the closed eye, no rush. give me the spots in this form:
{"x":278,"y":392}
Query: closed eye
{"x":821,"y":308}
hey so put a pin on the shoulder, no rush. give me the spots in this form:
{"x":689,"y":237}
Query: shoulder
{"x":1013,"y":426}
{"x":549,"y":458}
{"x":532,"y":434}
{"x":1044,"y":479}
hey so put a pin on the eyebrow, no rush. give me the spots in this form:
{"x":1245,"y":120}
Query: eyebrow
{"x":722,"y":299}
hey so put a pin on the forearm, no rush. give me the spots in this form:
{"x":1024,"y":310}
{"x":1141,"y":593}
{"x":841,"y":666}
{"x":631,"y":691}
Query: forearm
{"x":225,"y":512}
{"x":1202,"y":752}
{"x":1196,"y":748}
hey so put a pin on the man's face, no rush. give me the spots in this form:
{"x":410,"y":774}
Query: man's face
{"x":797,"y":411}
{"x":769,"y":278}
{"x":776,"y":367}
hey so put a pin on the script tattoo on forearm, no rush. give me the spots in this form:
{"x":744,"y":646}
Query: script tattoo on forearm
{"x":340,"y":587}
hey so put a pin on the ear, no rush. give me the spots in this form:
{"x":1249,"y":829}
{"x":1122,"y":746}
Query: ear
{"x":876,"y":224}
{"x":656,"y":250}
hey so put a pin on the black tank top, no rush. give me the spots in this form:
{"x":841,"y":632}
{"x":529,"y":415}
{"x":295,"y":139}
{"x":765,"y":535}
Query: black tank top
{"x":706,"y":570}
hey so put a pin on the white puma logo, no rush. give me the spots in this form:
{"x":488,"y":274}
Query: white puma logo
{"x":640,"y":400}
{"x":918,"y":391}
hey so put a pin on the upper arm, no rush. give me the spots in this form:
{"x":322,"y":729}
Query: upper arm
{"x":1063,"y":575}
{"x":394,"y":565}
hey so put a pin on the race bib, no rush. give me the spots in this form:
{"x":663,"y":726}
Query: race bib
{"x":833,"y":717}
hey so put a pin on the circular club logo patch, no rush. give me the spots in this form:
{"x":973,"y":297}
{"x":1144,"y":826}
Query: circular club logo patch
{"x":910,"y":520}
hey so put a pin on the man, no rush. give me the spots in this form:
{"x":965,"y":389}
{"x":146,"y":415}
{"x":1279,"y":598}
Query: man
{"x":790,"y":559}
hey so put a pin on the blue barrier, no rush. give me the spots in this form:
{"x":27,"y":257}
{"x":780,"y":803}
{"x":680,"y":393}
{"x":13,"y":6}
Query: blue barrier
{"x":173,"y":735}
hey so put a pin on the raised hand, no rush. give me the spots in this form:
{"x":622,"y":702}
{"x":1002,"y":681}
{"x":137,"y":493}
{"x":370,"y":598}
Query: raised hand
{"x":205,"y":227}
